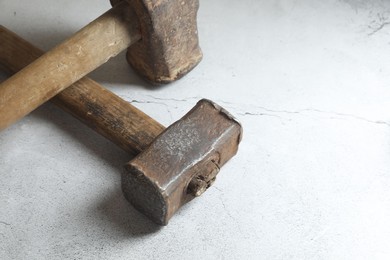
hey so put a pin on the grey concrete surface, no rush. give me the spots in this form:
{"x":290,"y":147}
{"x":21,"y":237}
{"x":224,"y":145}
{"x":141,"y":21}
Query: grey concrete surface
{"x":310,"y":82}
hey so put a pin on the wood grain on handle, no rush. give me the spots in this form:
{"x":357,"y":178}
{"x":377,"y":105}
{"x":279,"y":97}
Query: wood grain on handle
{"x":99,"y":108}
{"x":56,"y":70}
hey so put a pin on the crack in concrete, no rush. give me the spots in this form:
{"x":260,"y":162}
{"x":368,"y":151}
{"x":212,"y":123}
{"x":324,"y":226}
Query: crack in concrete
{"x":147,"y":102}
{"x":234,"y":219}
{"x":382,"y":25}
{"x":381,"y":22}
{"x":223,"y":204}
{"x":227,"y":211}
{"x":267,"y":111}
{"x":380,"y":122}
{"x":342,"y":115}
{"x":218,"y":189}
{"x":258,"y":114}
{"x":5,"y":223}
{"x":153,"y":102}
{"x":174,"y":99}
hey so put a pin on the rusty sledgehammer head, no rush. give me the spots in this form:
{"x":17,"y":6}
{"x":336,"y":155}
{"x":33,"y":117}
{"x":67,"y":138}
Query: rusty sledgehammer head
{"x":160,"y":35}
{"x":182,"y":162}
{"x":169,"y":48}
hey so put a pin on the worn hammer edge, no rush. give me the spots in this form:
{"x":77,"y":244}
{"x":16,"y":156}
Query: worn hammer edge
{"x":97,"y":107}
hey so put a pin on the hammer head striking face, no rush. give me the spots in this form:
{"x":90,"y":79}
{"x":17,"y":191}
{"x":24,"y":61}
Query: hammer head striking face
{"x":169,"y":48}
{"x":182,"y":162}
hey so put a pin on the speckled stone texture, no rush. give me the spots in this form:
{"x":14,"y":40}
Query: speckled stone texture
{"x":309,"y":81}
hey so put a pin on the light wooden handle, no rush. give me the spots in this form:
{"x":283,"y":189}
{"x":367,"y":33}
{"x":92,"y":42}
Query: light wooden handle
{"x":99,"y":108}
{"x":89,"y":48}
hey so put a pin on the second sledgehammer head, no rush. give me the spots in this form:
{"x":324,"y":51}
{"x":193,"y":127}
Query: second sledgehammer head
{"x":169,"y":48}
{"x":182,"y":162}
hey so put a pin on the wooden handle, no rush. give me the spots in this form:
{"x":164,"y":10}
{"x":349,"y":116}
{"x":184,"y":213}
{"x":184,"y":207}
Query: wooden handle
{"x":99,"y":108}
{"x":67,"y":63}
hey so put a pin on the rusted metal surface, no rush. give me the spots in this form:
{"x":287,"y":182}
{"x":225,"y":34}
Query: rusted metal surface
{"x":169,"y":47}
{"x":182,"y":162}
